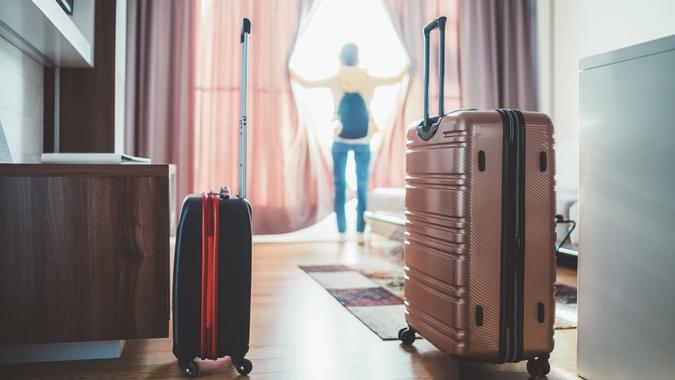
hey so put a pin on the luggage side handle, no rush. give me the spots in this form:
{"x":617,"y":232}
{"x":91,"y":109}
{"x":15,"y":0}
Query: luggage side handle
{"x":428,"y":127}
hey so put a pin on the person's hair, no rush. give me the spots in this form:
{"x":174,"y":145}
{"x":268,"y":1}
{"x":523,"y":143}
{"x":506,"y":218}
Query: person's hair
{"x":349,"y":54}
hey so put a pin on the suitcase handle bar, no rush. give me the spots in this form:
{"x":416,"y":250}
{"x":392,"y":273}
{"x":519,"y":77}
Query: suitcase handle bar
{"x":243,"y":119}
{"x":437,"y":23}
{"x":245,"y":29}
{"x":429,"y":125}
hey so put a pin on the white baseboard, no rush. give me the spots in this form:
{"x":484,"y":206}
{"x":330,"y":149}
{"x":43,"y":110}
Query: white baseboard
{"x":54,"y":352}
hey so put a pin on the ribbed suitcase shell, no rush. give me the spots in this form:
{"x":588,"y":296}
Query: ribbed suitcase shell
{"x":453,"y":246}
{"x":234,"y":279}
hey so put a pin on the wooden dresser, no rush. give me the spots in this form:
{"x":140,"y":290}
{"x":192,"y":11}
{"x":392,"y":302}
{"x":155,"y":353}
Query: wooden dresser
{"x":84,"y":252}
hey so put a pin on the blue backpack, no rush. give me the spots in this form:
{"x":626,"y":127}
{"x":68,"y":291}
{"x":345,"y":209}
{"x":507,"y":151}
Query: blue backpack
{"x":353,"y":114}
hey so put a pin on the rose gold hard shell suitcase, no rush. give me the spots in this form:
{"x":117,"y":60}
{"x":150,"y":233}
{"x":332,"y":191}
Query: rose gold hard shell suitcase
{"x":480,"y":232}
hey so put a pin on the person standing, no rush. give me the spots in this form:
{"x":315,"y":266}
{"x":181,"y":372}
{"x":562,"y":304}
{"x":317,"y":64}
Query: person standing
{"x":352,"y":89}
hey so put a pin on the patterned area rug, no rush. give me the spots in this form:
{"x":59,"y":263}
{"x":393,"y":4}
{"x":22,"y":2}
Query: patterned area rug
{"x":376,"y":298}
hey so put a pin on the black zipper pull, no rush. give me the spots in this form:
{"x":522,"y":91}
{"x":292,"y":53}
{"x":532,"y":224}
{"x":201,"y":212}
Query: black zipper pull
{"x":517,"y":242}
{"x":512,"y":129}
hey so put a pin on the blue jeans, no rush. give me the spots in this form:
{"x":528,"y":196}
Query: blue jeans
{"x":362,"y":157}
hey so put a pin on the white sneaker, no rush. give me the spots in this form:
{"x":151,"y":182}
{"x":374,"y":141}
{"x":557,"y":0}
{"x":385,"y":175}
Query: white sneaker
{"x":342,"y":237}
{"x":360,"y":238}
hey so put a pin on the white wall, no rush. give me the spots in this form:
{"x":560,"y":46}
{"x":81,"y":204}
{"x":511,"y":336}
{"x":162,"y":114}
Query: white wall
{"x":21,"y":89}
{"x":572,"y":29}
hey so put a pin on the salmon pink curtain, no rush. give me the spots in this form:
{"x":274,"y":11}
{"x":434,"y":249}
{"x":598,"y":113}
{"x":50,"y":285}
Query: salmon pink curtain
{"x":409,"y":17}
{"x":289,"y":182}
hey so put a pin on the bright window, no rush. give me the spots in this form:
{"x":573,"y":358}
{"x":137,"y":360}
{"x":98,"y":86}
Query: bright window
{"x":316,"y":56}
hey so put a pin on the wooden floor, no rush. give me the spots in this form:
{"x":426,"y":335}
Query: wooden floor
{"x":300,"y":332}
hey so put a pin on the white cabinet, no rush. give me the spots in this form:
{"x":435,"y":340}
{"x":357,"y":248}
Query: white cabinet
{"x":627,"y":213}
{"x":43,"y":30}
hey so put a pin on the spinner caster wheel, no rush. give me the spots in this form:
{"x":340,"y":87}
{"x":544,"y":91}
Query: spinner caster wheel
{"x":189,"y":368}
{"x":406,"y":335}
{"x":538,"y":367}
{"x":242,"y":365}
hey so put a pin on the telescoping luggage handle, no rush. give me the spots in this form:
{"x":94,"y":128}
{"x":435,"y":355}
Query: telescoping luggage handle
{"x":243,"y":122}
{"x":429,"y":125}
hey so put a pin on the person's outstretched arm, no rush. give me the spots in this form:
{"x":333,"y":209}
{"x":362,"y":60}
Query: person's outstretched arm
{"x":307,"y":83}
{"x":384,"y":81}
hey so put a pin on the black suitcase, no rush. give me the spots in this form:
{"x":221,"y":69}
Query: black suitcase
{"x":212,"y":269}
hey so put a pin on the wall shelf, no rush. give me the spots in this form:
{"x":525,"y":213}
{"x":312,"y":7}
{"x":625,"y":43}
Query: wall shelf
{"x":44,"y":31}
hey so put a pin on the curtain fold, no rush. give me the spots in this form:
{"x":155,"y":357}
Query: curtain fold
{"x":159,"y":102}
{"x":289,"y":178}
{"x":409,"y":17}
{"x":497,"y":54}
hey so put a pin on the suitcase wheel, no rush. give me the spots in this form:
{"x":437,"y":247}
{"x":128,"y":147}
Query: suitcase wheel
{"x":242,"y":365}
{"x":189,"y":368}
{"x":406,"y":335}
{"x":539,"y":366}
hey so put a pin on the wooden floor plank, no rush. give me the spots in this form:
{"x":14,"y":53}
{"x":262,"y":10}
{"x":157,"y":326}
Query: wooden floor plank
{"x":299,"y":332}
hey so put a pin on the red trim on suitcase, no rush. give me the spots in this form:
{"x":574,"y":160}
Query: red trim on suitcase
{"x":215,"y":202}
{"x":209,"y":288}
{"x":205,"y":219}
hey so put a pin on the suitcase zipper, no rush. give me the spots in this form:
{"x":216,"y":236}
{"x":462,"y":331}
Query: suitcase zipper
{"x":519,"y":248}
{"x":505,"y":294}
{"x":512,"y":259}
